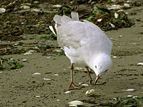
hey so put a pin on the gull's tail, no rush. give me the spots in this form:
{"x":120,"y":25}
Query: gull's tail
{"x":59,"y":20}
{"x":64,"y":19}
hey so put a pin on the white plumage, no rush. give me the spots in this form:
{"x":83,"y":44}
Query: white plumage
{"x":84,"y":43}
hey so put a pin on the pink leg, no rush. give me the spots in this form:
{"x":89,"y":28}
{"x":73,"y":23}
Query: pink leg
{"x":72,"y":84}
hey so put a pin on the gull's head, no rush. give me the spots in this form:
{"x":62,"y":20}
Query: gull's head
{"x":100,"y":63}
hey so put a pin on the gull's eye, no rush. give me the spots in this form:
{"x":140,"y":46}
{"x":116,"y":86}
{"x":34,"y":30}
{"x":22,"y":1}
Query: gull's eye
{"x":96,"y":66}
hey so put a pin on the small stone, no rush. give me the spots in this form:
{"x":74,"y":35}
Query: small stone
{"x":75,"y":103}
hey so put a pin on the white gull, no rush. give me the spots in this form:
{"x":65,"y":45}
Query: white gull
{"x":84,"y":43}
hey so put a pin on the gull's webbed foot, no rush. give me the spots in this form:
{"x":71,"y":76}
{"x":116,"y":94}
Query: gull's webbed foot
{"x":73,"y":86}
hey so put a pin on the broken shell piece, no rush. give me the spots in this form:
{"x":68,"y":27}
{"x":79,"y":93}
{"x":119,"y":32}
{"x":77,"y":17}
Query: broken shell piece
{"x":99,"y":20}
{"x":114,"y":57}
{"x":116,"y":15}
{"x":140,"y":64}
{"x":67,"y":92}
{"x":85,"y":85}
{"x":75,"y":103}
{"x":112,"y":25}
{"x":29,"y":52}
{"x":115,"y":7}
{"x":129,"y":90}
{"x":2,"y":10}
{"x":37,"y":96}
{"x":58,"y":100}
{"x":24,"y":60}
{"x":129,"y":95}
{"x":52,"y":29}
{"x":56,"y":74}
{"x":36,"y":73}
{"x":90,"y":92}
{"x":127,"y":6}
{"x":57,"y":5}
{"x":47,"y":79}
{"x":120,"y":36}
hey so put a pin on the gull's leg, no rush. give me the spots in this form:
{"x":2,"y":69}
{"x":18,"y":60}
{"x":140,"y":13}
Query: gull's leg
{"x":97,"y":78}
{"x":72,"y":84}
{"x":88,"y":72}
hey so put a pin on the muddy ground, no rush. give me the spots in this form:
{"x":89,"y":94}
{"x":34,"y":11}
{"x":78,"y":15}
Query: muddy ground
{"x":44,"y":79}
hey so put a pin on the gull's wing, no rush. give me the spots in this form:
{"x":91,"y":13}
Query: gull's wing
{"x":76,"y":34}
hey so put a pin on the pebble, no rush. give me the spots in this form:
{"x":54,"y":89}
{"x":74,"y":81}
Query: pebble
{"x":75,"y":103}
